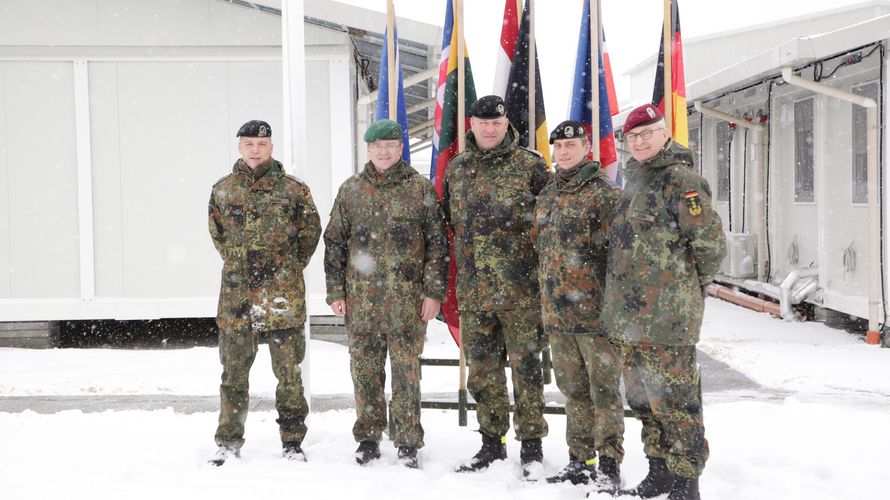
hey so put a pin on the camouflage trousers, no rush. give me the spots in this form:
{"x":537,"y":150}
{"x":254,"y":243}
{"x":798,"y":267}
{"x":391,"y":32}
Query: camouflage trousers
{"x":367,"y":359}
{"x":663,"y":386}
{"x":588,"y":372}
{"x":489,"y":340}
{"x":237,"y":351}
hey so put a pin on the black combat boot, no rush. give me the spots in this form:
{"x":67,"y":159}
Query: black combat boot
{"x":531,"y":455}
{"x":684,"y":489}
{"x":224,"y":453}
{"x":657,"y":482}
{"x":367,"y":451}
{"x":293,"y":452}
{"x":577,"y":472}
{"x":609,"y":478}
{"x":493,"y":448}
{"x":408,"y":457}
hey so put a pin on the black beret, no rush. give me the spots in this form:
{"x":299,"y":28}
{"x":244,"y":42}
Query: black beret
{"x":569,"y":129}
{"x":383,"y":130}
{"x":488,"y":107}
{"x":255,"y":128}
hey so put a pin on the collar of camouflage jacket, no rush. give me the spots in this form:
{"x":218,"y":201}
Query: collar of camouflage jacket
{"x":671,"y":154}
{"x":510,"y":142}
{"x":263,"y":176}
{"x":393,"y":175}
{"x":586,"y":172}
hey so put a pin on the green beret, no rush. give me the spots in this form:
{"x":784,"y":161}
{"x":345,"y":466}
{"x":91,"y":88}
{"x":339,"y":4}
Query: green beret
{"x":383,"y":130}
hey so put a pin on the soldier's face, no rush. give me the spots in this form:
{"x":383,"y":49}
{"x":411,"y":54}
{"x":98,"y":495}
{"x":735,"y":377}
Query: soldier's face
{"x":570,"y":152}
{"x":385,"y":153}
{"x":255,"y":150}
{"x":645,"y":142}
{"x":489,"y":132}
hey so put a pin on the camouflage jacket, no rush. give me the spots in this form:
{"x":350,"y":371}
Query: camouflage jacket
{"x":666,"y":242}
{"x":489,"y":201}
{"x":570,"y":234}
{"x":266,"y":230}
{"x":385,"y":247}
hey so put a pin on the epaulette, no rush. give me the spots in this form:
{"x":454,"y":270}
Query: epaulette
{"x":293,"y":178}
{"x":607,"y":181}
{"x":533,"y":151}
{"x":221,"y":179}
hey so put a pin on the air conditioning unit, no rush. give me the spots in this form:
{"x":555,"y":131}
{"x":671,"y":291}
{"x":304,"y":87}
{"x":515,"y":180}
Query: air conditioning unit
{"x":741,"y":255}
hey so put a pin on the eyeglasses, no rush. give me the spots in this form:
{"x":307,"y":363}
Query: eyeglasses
{"x":376,"y":146}
{"x":645,"y":135}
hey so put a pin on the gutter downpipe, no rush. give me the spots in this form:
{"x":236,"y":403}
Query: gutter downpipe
{"x":760,"y":143}
{"x":875,"y":304}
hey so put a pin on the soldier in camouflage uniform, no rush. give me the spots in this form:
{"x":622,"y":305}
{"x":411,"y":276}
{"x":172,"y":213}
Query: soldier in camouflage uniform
{"x":570,"y":233}
{"x":386,"y":264}
{"x":666,"y":245}
{"x":265,"y":226}
{"x":489,"y":201}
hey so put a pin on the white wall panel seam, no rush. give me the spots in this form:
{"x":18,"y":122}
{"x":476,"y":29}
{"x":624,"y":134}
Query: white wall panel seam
{"x":84,"y":181}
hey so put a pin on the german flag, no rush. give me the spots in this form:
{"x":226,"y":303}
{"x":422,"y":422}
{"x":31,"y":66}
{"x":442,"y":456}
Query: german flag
{"x":516,"y":96}
{"x":679,"y":127}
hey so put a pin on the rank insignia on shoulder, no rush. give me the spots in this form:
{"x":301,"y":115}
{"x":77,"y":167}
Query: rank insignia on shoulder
{"x":694,"y":202}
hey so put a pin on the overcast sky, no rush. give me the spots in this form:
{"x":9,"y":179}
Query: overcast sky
{"x":632,"y":28}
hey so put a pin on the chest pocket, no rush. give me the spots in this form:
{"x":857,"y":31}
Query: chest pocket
{"x":653,"y":235}
{"x":512,"y":204}
{"x":575,"y":222}
{"x":405,"y":215}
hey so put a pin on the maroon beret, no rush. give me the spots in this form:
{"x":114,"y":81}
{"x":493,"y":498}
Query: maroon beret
{"x":643,"y":115}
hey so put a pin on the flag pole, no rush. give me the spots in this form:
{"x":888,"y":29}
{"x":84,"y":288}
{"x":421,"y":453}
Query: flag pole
{"x":532,"y":81}
{"x":458,"y":7}
{"x":594,"y":25}
{"x":668,"y":32}
{"x":390,"y":55}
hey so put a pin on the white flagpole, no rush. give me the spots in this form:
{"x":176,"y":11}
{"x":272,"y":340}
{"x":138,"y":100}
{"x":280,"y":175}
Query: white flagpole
{"x":594,"y":25}
{"x":532,"y":87}
{"x":391,"y":57}
{"x":458,"y":6}
{"x":668,"y":46}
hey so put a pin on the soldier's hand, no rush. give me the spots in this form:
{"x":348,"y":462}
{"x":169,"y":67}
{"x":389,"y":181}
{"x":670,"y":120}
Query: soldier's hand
{"x":429,"y":308}
{"x":339,"y":307}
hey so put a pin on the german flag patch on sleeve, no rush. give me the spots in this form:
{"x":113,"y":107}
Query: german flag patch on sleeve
{"x":693,"y":202}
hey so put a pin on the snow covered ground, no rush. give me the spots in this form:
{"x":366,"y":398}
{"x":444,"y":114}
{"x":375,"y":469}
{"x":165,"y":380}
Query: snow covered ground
{"x":815,"y":429}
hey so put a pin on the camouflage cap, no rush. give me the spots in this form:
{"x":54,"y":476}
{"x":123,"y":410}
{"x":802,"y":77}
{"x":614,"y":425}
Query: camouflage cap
{"x":569,"y":129}
{"x":255,"y":128}
{"x":383,"y":130}
{"x":488,"y":108}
